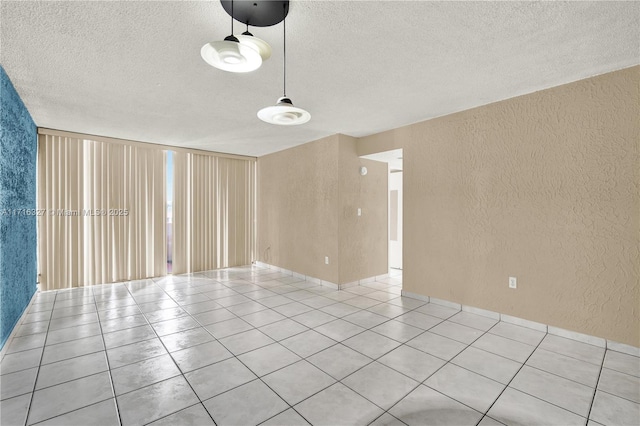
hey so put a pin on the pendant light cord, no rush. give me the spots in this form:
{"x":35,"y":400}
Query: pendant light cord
{"x":231,"y":17}
{"x":284,"y":56}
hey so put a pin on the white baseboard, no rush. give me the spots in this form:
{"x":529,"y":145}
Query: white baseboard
{"x":623,"y":348}
{"x":416,"y":296}
{"x":314,"y":279}
{"x":483,"y":312}
{"x":446,"y":303}
{"x":568,"y":334}
{"x":330,"y":284}
{"x":556,"y":331}
{"x":523,"y":323}
{"x":584,"y":338}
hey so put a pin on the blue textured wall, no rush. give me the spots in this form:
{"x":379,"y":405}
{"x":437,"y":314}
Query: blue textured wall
{"x":18,"y":147}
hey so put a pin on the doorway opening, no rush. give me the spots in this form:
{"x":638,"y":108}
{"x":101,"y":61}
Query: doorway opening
{"x":394,"y":203}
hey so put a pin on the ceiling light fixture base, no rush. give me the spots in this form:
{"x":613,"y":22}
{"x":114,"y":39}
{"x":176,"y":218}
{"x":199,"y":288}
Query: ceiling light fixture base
{"x":257,"y":13}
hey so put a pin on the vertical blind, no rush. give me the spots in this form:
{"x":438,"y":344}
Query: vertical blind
{"x":102,"y":212}
{"x":213,"y":212}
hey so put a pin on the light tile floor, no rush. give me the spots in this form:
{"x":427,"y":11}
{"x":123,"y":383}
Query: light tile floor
{"x":246,"y":346}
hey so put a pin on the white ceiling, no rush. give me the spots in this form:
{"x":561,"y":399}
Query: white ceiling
{"x":132,"y":69}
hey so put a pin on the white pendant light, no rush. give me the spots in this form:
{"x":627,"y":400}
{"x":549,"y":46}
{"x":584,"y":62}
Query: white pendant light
{"x":283,"y":112}
{"x":256,"y":43}
{"x":230,"y":54}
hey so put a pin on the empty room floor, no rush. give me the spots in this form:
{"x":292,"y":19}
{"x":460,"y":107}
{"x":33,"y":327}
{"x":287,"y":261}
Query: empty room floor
{"x":246,"y":346}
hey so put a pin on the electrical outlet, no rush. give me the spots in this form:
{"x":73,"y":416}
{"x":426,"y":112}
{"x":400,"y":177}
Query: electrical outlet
{"x":359,"y":211}
{"x":513,"y":283}
{"x":326,"y":260}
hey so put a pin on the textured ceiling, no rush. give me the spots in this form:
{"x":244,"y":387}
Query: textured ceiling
{"x":132,"y":69}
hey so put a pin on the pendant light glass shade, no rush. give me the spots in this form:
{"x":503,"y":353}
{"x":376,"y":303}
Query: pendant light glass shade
{"x":231,"y":55}
{"x":256,"y":43}
{"x":284,"y":113}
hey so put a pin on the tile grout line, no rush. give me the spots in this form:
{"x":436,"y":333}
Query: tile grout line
{"x":557,"y":375}
{"x":240,"y":361}
{"x":88,"y":375}
{"x":291,"y":317}
{"x":618,"y":396}
{"x":240,"y":317}
{"x":175,"y":412}
{"x":357,"y":351}
{"x":368,"y":363}
{"x":312,"y":309}
{"x":405,"y":344}
{"x":172,"y":359}
{"x":595,"y":390}
{"x":106,"y":355}
{"x":301,"y":358}
{"x":447,"y":362}
{"x":233,"y":356}
{"x":35,"y":382}
{"x":485,"y":414}
{"x":573,"y":357}
{"x":547,"y":402}
{"x":562,"y":377}
{"x":422,"y":383}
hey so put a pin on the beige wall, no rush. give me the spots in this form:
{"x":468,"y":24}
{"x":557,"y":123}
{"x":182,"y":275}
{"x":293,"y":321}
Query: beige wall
{"x":298,"y":208}
{"x":362,"y":242}
{"x":543,"y":187}
{"x":307,"y":209}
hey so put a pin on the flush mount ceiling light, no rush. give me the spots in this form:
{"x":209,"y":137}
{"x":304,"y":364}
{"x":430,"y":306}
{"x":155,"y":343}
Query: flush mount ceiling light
{"x":283,"y":112}
{"x":244,"y":53}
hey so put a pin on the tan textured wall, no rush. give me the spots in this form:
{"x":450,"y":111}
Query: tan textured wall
{"x":543,"y":187}
{"x":308,"y":198}
{"x":363,"y":239}
{"x":298,"y":208}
